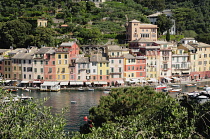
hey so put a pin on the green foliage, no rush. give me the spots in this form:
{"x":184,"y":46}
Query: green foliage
{"x":143,"y":113}
{"x":168,"y":36}
{"x":29,"y":119}
{"x":164,"y":23}
{"x":190,"y":33}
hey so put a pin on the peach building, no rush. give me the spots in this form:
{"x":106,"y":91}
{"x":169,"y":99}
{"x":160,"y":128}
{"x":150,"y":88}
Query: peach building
{"x":136,"y":30}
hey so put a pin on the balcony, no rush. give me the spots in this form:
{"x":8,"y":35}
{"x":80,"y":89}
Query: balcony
{"x":165,"y":69}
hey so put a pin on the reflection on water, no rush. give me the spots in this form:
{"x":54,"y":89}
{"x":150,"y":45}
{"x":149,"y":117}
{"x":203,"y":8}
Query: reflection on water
{"x":58,"y":100}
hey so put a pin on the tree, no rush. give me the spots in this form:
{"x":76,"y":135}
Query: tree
{"x":14,"y":33}
{"x":168,"y":36}
{"x":190,"y":33}
{"x":29,"y":119}
{"x":164,"y":23}
{"x":143,"y":113}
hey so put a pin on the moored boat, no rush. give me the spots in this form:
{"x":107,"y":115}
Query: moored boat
{"x":90,"y":89}
{"x":175,"y":85}
{"x":161,"y":86}
{"x":175,"y":90}
{"x":190,"y":85}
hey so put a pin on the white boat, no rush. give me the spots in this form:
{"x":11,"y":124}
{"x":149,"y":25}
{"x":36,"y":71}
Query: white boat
{"x":175,"y":85}
{"x":202,"y":97}
{"x":106,"y":91}
{"x":17,"y":98}
{"x":90,"y":89}
{"x":80,"y":89}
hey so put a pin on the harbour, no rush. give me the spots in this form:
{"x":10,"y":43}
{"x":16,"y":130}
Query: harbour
{"x":79,"y":102}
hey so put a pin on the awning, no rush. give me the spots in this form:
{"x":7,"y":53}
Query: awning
{"x":50,"y":83}
{"x":87,"y":83}
{"x":24,"y":82}
{"x":143,"y":81}
{"x":64,"y":83}
{"x":36,"y":81}
{"x":7,"y":81}
{"x":76,"y":82}
{"x":100,"y":82}
{"x":120,"y":81}
{"x":168,"y":78}
{"x":152,"y":80}
{"x":175,"y":78}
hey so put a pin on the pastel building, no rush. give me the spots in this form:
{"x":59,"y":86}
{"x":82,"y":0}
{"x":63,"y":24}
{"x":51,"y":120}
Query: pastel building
{"x":49,"y":67}
{"x":39,"y":64}
{"x":116,"y":63}
{"x":3,"y":52}
{"x":165,"y":60}
{"x":102,"y":64}
{"x":73,"y":51}
{"x":201,"y":60}
{"x":82,"y":71}
{"x":136,"y":30}
{"x":180,"y":64}
{"x":27,"y":66}
{"x":62,"y":65}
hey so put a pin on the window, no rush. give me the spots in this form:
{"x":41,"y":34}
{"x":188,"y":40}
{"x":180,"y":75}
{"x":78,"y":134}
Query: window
{"x":132,"y":67}
{"x":107,"y":72}
{"x":24,"y":76}
{"x":112,"y":69}
{"x":24,"y":68}
{"x":41,"y":70}
{"x":100,"y":64}
{"x":59,"y":56}
{"x":128,"y":67}
{"x":132,"y":74}
{"x":35,"y":70}
{"x":94,"y":63}
{"x":46,"y":62}
{"x":100,"y":77}
{"x":58,"y":76}
{"x":59,"y":61}
{"x":107,"y":77}
{"x":120,"y":70}
{"x":49,"y":70}
{"x":120,"y":61}
{"x":94,"y":77}
{"x":15,"y":76}
{"x":53,"y":62}
{"x":94,"y":70}
{"x":5,"y":63}
{"x":112,"y":61}
{"x":65,"y":56}
{"x":41,"y":62}
{"x":100,"y":72}
{"x":29,"y":61}
{"x":63,"y":76}
{"x":29,"y":76}
{"x":50,"y":77}
{"x":29,"y":69}
{"x":78,"y":77}
{"x":63,"y":70}
{"x":24,"y":61}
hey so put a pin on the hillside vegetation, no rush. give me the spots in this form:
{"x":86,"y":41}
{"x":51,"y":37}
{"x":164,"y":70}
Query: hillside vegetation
{"x":91,"y":24}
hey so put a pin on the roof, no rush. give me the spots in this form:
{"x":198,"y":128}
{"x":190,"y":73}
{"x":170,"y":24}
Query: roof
{"x":82,"y":60}
{"x":4,"y":50}
{"x":43,"y":50}
{"x":51,"y":51}
{"x":134,"y":21}
{"x":28,"y":54}
{"x":129,"y":56}
{"x":98,"y":58}
{"x":116,"y":47}
{"x":155,"y":14}
{"x":67,"y":43}
{"x":142,"y":40}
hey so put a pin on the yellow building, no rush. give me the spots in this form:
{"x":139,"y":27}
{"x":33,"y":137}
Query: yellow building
{"x":62,"y":65}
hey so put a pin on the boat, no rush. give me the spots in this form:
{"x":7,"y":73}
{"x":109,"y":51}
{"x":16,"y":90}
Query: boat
{"x":202,"y":97}
{"x":106,"y":91}
{"x":190,"y":85}
{"x":175,"y":85}
{"x":193,"y":94}
{"x":16,"y":98}
{"x":167,"y":89}
{"x":80,"y":89}
{"x":11,"y":90}
{"x":175,"y":90}
{"x":90,"y":89}
{"x":162,"y":86}
{"x":26,"y":89}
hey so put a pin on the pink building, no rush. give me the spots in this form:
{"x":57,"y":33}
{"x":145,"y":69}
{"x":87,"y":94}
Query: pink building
{"x":49,"y":68}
